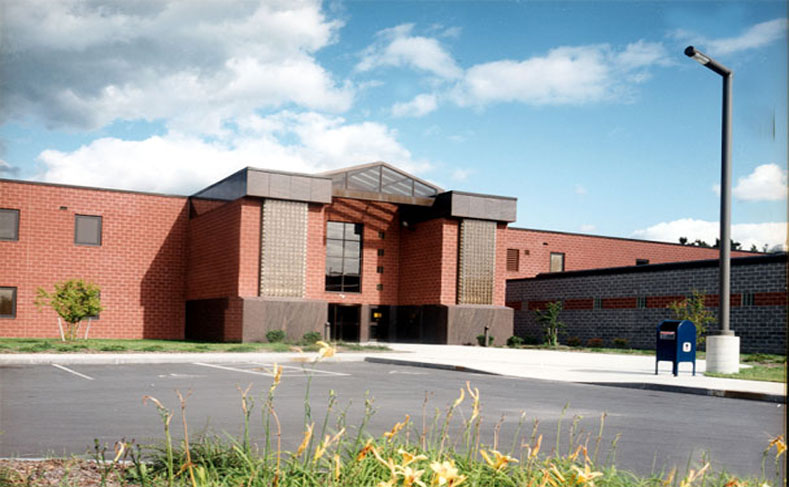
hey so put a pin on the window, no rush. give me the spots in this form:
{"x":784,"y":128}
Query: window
{"x":641,"y":302}
{"x":513,"y":256}
{"x":7,"y":302}
{"x":87,"y":230}
{"x":747,"y":299}
{"x":642,"y":261}
{"x":557,"y":262}
{"x":597,"y":303}
{"x":343,"y":257}
{"x":9,"y":224}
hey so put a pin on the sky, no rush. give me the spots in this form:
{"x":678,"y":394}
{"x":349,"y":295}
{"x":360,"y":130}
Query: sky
{"x":587,"y":112}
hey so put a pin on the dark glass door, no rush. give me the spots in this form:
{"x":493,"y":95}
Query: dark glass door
{"x":344,"y":320}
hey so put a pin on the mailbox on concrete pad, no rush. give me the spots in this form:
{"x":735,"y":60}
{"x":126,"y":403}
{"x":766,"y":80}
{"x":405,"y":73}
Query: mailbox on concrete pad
{"x":676,"y":342}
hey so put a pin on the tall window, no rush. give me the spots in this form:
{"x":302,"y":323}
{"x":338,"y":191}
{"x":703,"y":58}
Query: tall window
{"x":9,"y":224}
{"x":557,"y":262}
{"x":87,"y":230}
{"x":7,"y":302}
{"x":513,"y":259}
{"x":343,"y":257}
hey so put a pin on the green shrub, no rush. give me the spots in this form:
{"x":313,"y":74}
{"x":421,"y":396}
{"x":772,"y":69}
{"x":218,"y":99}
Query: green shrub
{"x":275,"y":336}
{"x":620,"y":342}
{"x":514,"y":341}
{"x":573,"y":341}
{"x":311,"y":337}
{"x":550,"y":321}
{"x":694,"y":309}
{"x":481,"y":340}
{"x":595,"y":343}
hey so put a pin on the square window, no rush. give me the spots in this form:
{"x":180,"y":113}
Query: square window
{"x":557,"y":262}
{"x":641,"y":302}
{"x":380,"y":252}
{"x":642,"y":261}
{"x":9,"y":224}
{"x":87,"y":230}
{"x":379,"y":269}
{"x":7,"y":302}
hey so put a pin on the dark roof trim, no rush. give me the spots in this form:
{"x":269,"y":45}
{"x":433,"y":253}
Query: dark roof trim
{"x":668,"y":266}
{"x":92,"y":188}
{"x":676,"y":244}
{"x":483,"y":195}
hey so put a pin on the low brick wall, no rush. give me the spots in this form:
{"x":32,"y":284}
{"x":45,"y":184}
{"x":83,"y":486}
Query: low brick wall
{"x":629,"y":302}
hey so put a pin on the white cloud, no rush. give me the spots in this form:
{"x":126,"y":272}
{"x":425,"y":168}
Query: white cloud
{"x":767,"y":182}
{"x":588,"y":228}
{"x":420,"y":106}
{"x":398,"y":47}
{"x":759,"y":234}
{"x":756,"y":36}
{"x":195,"y":67}
{"x":461,"y":174}
{"x":565,"y":75}
{"x":177,"y":163}
{"x":580,"y":190}
{"x":7,"y":169}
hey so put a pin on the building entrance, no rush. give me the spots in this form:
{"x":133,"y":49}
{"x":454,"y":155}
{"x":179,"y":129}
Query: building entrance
{"x":345,"y":323}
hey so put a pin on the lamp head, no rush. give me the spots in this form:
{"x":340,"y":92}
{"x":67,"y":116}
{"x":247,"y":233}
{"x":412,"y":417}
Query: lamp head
{"x":699,"y":56}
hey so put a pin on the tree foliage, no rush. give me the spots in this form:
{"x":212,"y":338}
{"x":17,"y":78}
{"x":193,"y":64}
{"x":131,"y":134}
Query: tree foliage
{"x":693,"y":309}
{"x":73,"y":300}
{"x":550,"y":321}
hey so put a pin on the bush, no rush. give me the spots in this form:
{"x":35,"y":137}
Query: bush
{"x":481,"y":340}
{"x":573,"y":342}
{"x":311,"y":337}
{"x":595,"y":343}
{"x":694,"y":309}
{"x":73,"y":300}
{"x":275,"y":336}
{"x":514,"y":341}
{"x":550,"y":320}
{"x":620,"y":342}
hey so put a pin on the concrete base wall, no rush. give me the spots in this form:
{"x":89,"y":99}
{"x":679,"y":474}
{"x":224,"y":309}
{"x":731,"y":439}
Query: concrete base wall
{"x":465,"y":322}
{"x":294,"y":316}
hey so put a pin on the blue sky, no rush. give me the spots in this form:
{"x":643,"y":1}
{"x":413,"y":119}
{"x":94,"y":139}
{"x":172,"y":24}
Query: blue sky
{"x":587,"y":112}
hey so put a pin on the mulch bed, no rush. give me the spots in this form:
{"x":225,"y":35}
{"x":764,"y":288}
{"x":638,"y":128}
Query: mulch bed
{"x":55,"y":472}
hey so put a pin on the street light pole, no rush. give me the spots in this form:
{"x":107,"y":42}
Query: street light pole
{"x":722,"y":350}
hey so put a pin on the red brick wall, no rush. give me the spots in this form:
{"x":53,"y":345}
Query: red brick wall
{"x":594,"y":252}
{"x":140,"y":266}
{"x":428,"y":263}
{"x":249,"y":252}
{"x":214,"y":253}
{"x":375,"y":217}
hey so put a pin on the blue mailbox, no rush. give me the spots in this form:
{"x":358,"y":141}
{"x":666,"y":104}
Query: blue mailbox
{"x":676,"y":342}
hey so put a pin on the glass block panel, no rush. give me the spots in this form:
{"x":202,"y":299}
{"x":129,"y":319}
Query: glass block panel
{"x":476,"y":262}
{"x":283,"y":249}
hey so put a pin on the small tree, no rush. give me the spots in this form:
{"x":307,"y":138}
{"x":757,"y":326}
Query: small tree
{"x":73,"y":301}
{"x":693,"y":309}
{"x":550,"y":320}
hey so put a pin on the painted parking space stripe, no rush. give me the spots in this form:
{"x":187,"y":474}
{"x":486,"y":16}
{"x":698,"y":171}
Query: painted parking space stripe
{"x":72,"y":372}
{"x":266,"y":369}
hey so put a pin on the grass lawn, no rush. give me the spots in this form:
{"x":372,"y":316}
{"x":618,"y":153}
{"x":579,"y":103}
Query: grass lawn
{"x":53,"y":345}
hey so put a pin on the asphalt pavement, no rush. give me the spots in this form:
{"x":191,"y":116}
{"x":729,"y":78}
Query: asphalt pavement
{"x":630,"y":371}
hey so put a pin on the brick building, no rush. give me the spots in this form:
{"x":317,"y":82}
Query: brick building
{"x":627,"y":303}
{"x":376,"y":252}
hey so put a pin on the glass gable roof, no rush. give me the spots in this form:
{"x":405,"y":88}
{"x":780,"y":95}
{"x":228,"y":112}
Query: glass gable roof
{"x":381,"y":178}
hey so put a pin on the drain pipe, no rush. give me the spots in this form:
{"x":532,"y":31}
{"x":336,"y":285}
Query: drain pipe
{"x":487,"y":332}
{"x":327,"y":332}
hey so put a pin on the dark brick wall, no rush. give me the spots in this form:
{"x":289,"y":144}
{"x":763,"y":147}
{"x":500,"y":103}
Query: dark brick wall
{"x":762,"y":326}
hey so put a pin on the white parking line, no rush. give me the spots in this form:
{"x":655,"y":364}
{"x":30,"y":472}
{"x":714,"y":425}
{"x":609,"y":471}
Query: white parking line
{"x":270,"y":366}
{"x":72,"y":372}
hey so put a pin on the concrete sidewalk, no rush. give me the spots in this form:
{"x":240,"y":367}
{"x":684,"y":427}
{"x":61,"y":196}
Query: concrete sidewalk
{"x":634,"y":371}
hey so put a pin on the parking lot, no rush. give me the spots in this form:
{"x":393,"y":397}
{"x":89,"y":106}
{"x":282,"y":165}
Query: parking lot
{"x":57,"y":409}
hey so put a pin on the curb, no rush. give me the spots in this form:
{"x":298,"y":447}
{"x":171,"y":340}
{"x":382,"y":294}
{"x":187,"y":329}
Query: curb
{"x":701,"y":391}
{"x":427,"y":365}
{"x":166,"y":358}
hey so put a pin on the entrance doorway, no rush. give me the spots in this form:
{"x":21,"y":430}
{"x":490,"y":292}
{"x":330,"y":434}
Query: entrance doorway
{"x":345,"y":323}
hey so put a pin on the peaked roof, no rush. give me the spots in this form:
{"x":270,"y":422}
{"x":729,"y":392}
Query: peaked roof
{"x":382,"y":178}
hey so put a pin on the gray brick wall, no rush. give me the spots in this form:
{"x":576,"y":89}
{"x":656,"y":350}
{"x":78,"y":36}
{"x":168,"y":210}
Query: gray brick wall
{"x":761,"y":328}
